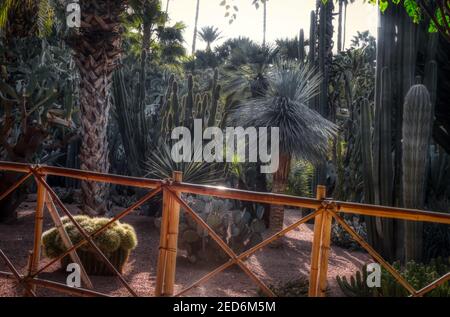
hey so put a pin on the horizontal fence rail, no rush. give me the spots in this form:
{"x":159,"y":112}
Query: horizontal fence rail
{"x":326,"y":210}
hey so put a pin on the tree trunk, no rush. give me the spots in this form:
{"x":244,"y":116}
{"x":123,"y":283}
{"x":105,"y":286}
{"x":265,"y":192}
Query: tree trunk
{"x":194,"y":41}
{"x":97,"y":49}
{"x":339,"y":35}
{"x":264,"y":23}
{"x":280,"y":179}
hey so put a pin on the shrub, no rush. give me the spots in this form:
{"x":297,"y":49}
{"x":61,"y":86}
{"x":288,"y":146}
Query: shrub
{"x":116,"y":243}
{"x":418,"y":275}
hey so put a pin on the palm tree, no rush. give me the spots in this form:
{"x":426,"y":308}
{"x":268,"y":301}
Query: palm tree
{"x":20,"y":18}
{"x":197,"y":11}
{"x":304,"y":133}
{"x":97,"y":47}
{"x":209,"y":34}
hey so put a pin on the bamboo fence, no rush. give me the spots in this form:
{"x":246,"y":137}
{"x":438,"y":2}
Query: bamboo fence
{"x":325,"y":211}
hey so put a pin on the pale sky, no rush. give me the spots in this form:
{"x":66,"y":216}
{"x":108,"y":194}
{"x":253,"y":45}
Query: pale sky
{"x":284,"y":19}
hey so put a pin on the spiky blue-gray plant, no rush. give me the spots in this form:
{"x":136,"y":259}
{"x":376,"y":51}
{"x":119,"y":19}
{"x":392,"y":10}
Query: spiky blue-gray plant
{"x":304,"y":133}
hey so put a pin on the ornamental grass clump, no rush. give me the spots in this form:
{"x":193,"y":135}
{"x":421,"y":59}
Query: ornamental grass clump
{"x":116,"y":242}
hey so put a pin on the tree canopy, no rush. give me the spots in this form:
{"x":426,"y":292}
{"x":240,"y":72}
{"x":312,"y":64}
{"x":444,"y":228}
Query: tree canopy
{"x":438,"y":11}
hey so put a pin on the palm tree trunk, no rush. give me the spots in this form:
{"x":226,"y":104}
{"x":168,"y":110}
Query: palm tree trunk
{"x":194,"y":41}
{"x":345,"y":24}
{"x":97,"y":50}
{"x":280,"y":179}
{"x":264,"y":22}
{"x":339,"y":39}
{"x":167,"y":6}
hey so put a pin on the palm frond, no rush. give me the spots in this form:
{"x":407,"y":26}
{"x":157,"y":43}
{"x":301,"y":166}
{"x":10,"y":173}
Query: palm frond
{"x":45,"y":17}
{"x":5,"y":8}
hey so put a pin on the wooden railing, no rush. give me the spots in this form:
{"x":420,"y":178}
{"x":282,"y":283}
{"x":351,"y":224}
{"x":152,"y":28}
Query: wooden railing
{"x":325,"y":210}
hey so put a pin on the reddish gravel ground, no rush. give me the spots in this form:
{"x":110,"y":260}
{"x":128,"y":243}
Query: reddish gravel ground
{"x":273,"y":266}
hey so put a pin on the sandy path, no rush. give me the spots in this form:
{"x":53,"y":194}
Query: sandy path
{"x":271,"y":265}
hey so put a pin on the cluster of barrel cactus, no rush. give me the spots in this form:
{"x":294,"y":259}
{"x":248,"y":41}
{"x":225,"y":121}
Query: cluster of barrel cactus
{"x":237,"y":228}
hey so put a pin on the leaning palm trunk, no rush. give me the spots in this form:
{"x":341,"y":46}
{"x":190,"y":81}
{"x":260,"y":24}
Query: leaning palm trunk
{"x":97,"y":49}
{"x":280,"y":180}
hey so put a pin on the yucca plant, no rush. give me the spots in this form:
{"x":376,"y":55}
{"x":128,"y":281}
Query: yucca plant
{"x":160,"y":165}
{"x":304,"y":133}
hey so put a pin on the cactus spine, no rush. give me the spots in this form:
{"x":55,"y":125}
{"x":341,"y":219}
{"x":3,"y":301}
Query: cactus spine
{"x":416,"y":133}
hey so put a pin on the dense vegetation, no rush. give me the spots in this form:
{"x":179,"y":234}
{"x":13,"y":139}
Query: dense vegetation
{"x":106,"y":96}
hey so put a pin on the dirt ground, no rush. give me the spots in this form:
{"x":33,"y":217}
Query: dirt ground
{"x":273,"y":266}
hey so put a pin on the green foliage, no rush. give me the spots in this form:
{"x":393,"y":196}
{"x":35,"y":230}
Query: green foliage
{"x":418,"y":275}
{"x":291,"y":86}
{"x":160,"y":165}
{"x":179,"y":107}
{"x":357,"y":285}
{"x":116,"y":236}
{"x":41,"y":23}
{"x":300,"y":179}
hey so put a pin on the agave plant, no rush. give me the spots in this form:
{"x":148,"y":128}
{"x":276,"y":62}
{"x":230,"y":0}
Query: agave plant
{"x":304,"y":133}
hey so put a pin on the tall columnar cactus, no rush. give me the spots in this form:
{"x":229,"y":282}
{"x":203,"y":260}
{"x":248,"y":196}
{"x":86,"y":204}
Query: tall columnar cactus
{"x":301,"y":46}
{"x":181,"y":110}
{"x":430,"y":81}
{"x":383,"y":164}
{"x":325,"y":57}
{"x":312,"y":39}
{"x":416,"y":134}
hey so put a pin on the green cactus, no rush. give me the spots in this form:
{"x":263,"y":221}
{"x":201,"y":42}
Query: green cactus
{"x":312,"y":39}
{"x":116,"y":242}
{"x":417,"y":128}
{"x":301,"y":46}
{"x":180,"y":110}
{"x":357,"y":285}
{"x":418,"y":275}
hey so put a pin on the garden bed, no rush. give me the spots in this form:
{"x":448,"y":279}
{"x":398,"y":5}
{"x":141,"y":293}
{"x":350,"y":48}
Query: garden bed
{"x":273,"y":266}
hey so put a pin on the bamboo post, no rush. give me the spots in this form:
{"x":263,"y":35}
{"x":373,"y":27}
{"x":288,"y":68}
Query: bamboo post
{"x":161,"y":266}
{"x":172,"y":240}
{"x":165,"y":273}
{"x":324,"y":252}
{"x":66,"y":239}
{"x":315,"y":252}
{"x":38,"y":226}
